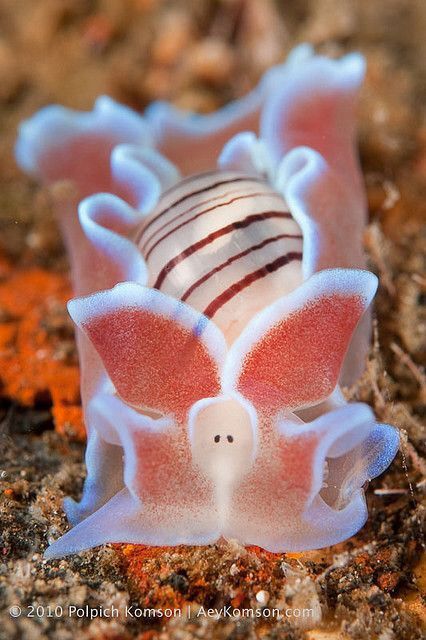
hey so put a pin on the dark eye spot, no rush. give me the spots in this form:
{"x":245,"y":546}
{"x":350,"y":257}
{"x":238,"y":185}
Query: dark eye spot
{"x":217,"y":438}
{"x":230,"y":438}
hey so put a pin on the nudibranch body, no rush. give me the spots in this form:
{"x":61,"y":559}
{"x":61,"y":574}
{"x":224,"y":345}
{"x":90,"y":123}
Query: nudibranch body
{"x":222,"y":301}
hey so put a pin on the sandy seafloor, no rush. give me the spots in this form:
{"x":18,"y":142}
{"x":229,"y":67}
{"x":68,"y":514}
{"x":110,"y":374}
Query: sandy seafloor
{"x":200,"y":54}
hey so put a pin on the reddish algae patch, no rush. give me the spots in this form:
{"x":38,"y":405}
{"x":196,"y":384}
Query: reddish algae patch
{"x":37,"y":358}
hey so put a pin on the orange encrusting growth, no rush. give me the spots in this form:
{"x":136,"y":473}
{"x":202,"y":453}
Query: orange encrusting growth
{"x":150,"y":568}
{"x":33,"y":363}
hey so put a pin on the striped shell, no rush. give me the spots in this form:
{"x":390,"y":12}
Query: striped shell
{"x":225,"y":243}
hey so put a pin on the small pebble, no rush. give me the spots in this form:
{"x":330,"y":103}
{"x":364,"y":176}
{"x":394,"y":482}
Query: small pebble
{"x":262,"y":597}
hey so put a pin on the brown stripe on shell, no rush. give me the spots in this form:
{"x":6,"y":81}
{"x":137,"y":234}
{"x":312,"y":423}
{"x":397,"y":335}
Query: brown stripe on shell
{"x":193,"y":208}
{"x":240,"y":224}
{"x":190,"y":195}
{"x":245,"y":282}
{"x":201,"y":213}
{"x":235,"y":257}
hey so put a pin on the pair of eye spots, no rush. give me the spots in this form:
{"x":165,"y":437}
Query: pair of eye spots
{"x":229,"y":438}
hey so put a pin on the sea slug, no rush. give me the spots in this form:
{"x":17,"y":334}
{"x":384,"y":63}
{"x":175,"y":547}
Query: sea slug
{"x":222,"y":298}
